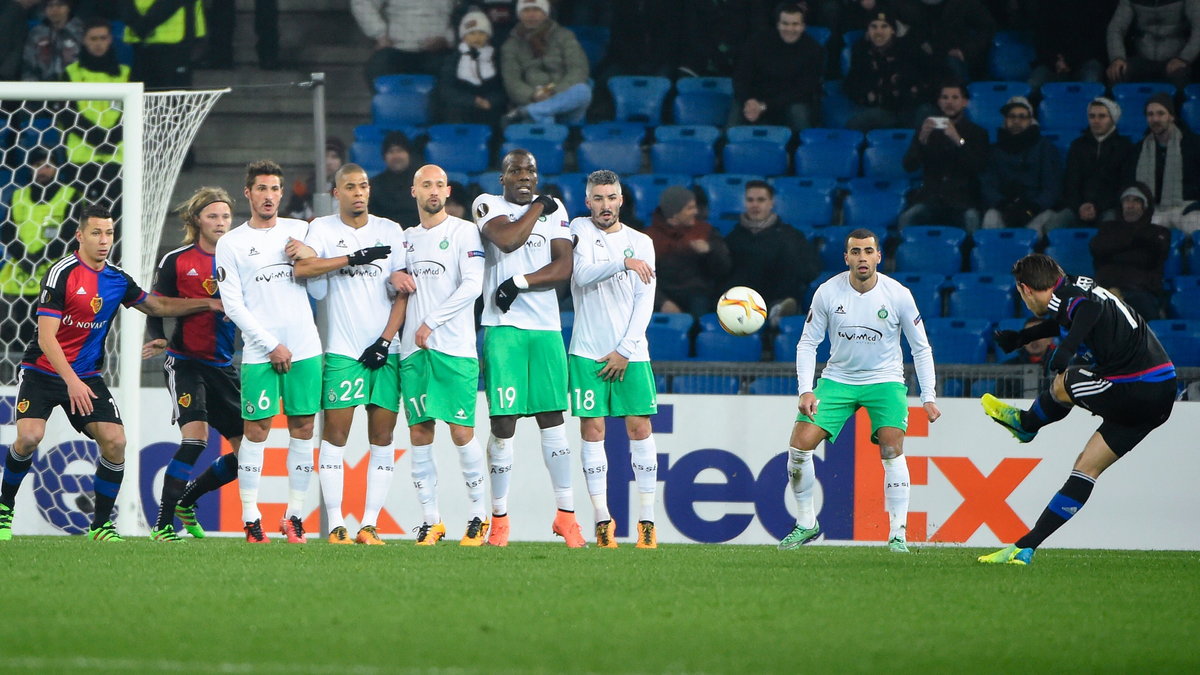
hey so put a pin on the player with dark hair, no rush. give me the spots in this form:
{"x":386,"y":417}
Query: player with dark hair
{"x":62,"y":368}
{"x":1129,"y":381}
{"x":201,"y":380}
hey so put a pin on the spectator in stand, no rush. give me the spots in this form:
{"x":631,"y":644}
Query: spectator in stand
{"x":1097,"y":162}
{"x":714,"y":33}
{"x":1165,"y":35}
{"x":98,"y":120}
{"x":162,"y":33}
{"x":222,"y":22}
{"x":1130,"y":252}
{"x":769,"y":255}
{"x":469,"y":88}
{"x":14,"y":26}
{"x":957,"y":34}
{"x":1032,"y":352}
{"x":1023,"y":178}
{"x":301,"y":203}
{"x":1069,"y":38}
{"x":391,"y":193}
{"x":502,"y":14}
{"x":544,"y":69}
{"x":53,"y":44}
{"x":951,"y":151}
{"x":887,"y":78}
{"x":411,"y":36}
{"x":1168,"y":159}
{"x":692,"y":257}
{"x":778,"y":78}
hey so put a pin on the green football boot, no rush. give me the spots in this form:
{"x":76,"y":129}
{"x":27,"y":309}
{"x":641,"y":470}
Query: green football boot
{"x":6,"y":514}
{"x":800,"y":536}
{"x":1009,"y":555}
{"x":897,"y":545}
{"x":106,"y":532}
{"x":167,"y":533}
{"x":1006,"y":416}
{"x":187,"y":516}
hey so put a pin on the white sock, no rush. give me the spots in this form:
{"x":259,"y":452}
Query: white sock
{"x":643,"y":455}
{"x":802,"y":476}
{"x":300,"y":470}
{"x":895,"y":495}
{"x":424,"y":476}
{"x":379,"y":481}
{"x":470,"y":458}
{"x":250,"y":461}
{"x":331,"y":471}
{"x":500,"y":463}
{"x":595,"y":472}
{"x":558,"y":462}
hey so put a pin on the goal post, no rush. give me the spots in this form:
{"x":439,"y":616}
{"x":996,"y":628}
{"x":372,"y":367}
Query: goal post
{"x":156,"y":129}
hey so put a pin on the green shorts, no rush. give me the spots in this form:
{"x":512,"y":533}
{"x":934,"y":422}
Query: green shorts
{"x":348,"y":383}
{"x":524,"y":371}
{"x":438,"y":386}
{"x":262,"y":387}
{"x":886,"y":404}
{"x":592,"y":396}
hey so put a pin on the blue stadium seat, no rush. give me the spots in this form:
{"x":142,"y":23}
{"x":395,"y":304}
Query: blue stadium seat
{"x":877,"y":138}
{"x":885,"y":161}
{"x":1132,"y":97}
{"x":1175,"y":258}
{"x":803,"y":202}
{"x":1064,"y":104}
{"x":573,"y":187}
{"x":717,"y":345}
{"x":703,"y":100}
{"x":405,"y":84}
{"x":836,"y":107}
{"x":849,"y":138}
{"x":459,"y":147}
{"x":767,"y":159}
{"x":959,"y":340}
{"x":897,"y":186}
{"x":647,"y":187}
{"x":1011,"y":55}
{"x":458,"y":177}
{"x":981,"y":296}
{"x":684,"y":149}
{"x":832,"y":242}
{"x":549,"y":154}
{"x":875,"y":210}
{"x":930,"y":248}
{"x":396,"y":110}
{"x":1185,"y":300}
{"x":606,"y":130}
{"x":926,"y":289}
{"x":667,"y":335}
{"x":617,"y":154}
{"x":594,"y":41}
{"x":819,"y":33}
{"x":541,"y":132}
{"x":848,"y":39}
{"x":1070,"y":247}
{"x":765,"y":133}
{"x":489,"y":181}
{"x":709,"y":322}
{"x":773,"y":385}
{"x":785,"y":349}
{"x":1061,"y":140}
{"x":1181,"y":339}
{"x":1189,"y":112}
{"x":370,"y":133}
{"x":704,"y":133}
{"x":995,"y":251}
{"x":986,"y":100}
{"x":639,"y":99}
{"x":705,"y":384}
{"x":367,"y":155}
{"x":838,"y":160}
{"x":726,"y":193}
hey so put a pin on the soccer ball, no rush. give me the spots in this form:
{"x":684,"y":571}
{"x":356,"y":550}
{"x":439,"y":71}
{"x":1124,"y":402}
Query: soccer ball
{"x":741,"y":311}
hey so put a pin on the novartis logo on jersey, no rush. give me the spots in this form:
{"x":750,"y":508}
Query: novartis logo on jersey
{"x":69,"y":320}
{"x":535,"y":240}
{"x":426,"y":268}
{"x":275,"y":272}
{"x":860,"y":334}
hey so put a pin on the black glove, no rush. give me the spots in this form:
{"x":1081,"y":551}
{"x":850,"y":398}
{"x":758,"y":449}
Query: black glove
{"x":1007,"y":340}
{"x":1058,"y":360}
{"x":375,"y":356}
{"x":506,"y":295}
{"x":548,"y":204}
{"x":365,"y":255}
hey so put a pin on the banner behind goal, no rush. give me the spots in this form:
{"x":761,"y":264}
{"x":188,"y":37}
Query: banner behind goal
{"x":66,"y":145}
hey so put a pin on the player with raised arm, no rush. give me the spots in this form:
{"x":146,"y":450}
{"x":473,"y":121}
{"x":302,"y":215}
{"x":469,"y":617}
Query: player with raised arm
{"x":439,"y":370}
{"x":612,"y":284}
{"x":527,"y":245}
{"x":1129,"y":381}
{"x":62,"y":368}
{"x":864,"y":313}
{"x":281,"y":354}
{"x":357,"y":252}
{"x":201,"y":380}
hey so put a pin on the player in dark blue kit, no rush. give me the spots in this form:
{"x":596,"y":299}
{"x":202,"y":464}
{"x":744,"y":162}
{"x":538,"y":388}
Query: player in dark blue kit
{"x":1128,"y":380}
{"x":201,"y":379}
{"x":77,"y":305}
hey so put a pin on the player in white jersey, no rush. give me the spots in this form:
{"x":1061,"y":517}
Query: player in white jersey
{"x":864,"y":313}
{"x":356,"y":253}
{"x":527,"y":245}
{"x":439,"y":368}
{"x":281,"y":356}
{"x":612,"y":284}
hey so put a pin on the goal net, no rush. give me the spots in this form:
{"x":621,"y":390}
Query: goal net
{"x":64,"y":146}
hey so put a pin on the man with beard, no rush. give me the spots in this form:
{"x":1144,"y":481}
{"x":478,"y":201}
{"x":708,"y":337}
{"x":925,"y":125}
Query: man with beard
{"x":1023,"y":177}
{"x":1168,"y":160}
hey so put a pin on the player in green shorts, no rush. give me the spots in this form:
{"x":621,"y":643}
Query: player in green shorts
{"x":864,"y":314}
{"x":612,"y":285}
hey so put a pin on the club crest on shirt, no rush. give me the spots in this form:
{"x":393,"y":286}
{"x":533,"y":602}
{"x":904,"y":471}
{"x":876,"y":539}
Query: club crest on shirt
{"x":882,"y":313}
{"x":23,"y":405}
{"x":96,"y":303}
{"x":628,"y":253}
{"x":185,"y":400}
{"x":445,"y":244}
{"x":209,"y":285}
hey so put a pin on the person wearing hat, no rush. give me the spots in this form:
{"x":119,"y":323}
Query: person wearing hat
{"x":886,"y":79}
{"x":692,"y":257}
{"x":1023,"y":178}
{"x":1165,"y":40}
{"x":544,"y":69}
{"x":390,"y":195}
{"x":469,"y":88}
{"x":1168,"y":160}
{"x":1097,"y":162}
{"x":53,"y":44}
{"x":410,"y":36}
{"x":1130,"y":253}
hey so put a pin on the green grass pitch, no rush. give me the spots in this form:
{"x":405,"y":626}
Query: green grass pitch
{"x":220,"y":605}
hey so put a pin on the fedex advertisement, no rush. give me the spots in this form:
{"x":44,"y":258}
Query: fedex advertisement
{"x":722,"y":479}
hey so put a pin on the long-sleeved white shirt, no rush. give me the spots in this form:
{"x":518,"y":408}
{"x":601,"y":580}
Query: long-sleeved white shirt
{"x":446,"y":262}
{"x":612,"y":305}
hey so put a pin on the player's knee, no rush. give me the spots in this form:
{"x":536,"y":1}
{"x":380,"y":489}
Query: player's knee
{"x":504,"y":426}
{"x":461,"y":435}
{"x":113,"y":449}
{"x":549,"y":419}
{"x":26,"y":443}
{"x":336,"y":436}
{"x":379,"y":437}
{"x":638,"y":428}
{"x":805,"y":436}
{"x":890,"y":451}
{"x":301,"y":427}
{"x":256,"y":430}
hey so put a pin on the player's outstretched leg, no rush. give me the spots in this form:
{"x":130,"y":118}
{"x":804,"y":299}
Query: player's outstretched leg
{"x":221,"y":472}
{"x":1024,"y":424}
